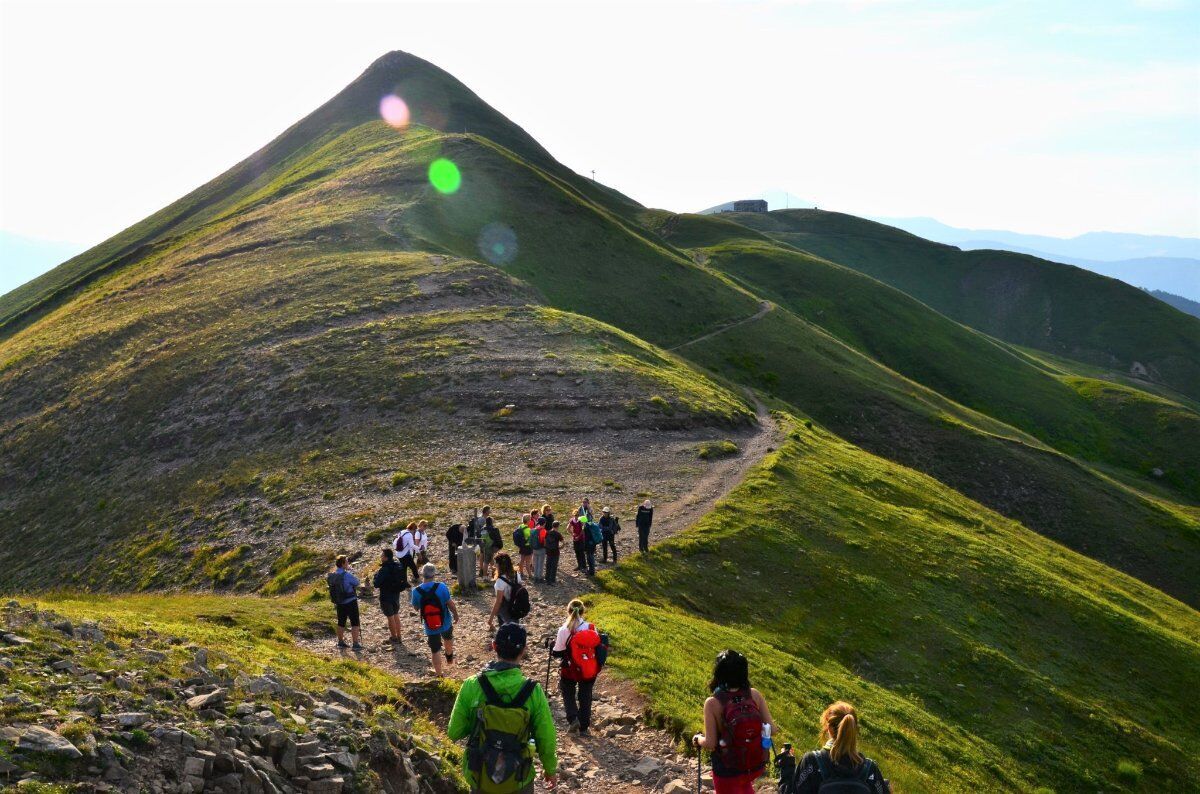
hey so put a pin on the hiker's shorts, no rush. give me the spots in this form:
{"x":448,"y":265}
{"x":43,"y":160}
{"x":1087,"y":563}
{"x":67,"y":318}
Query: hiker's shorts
{"x":348,"y":612}
{"x":435,"y":640}
{"x":389,"y":606}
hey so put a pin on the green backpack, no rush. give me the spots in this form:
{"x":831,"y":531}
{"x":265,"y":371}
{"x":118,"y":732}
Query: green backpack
{"x":499,"y":759}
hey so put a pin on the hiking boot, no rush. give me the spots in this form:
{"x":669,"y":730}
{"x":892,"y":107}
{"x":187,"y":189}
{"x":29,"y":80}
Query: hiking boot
{"x":342,"y":644}
{"x":573,"y":726}
{"x":356,"y":646}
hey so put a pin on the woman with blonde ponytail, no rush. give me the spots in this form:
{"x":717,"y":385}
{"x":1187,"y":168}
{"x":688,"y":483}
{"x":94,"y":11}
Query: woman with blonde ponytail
{"x":577,"y":646}
{"x":839,"y":766}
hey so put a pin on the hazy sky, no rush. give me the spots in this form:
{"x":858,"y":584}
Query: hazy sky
{"x":1039,"y":116}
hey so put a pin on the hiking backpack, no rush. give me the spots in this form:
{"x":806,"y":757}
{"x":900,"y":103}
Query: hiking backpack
{"x":338,"y":591}
{"x":537,"y":537}
{"x":433,"y":611}
{"x":497,"y":541}
{"x":518,"y":536}
{"x":594,"y":534}
{"x":498,"y":753}
{"x":833,"y":782}
{"x":741,"y":749}
{"x":582,"y":661}
{"x":518,"y":599}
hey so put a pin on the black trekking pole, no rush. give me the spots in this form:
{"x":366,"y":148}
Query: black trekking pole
{"x":549,"y":658}
{"x":699,"y":757}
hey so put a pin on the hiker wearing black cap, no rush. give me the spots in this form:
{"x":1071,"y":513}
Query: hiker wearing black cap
{"x":608,"y":534}
{"x":499,"y":711}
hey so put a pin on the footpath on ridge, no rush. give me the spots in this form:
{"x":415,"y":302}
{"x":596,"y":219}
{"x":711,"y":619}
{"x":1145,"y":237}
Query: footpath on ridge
{"x":622,"y":753}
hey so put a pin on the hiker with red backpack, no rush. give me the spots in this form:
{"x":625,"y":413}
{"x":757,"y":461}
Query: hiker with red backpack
{"x":839,"y":766}
{"x":438,"y":612}
{"x":582,"y":650}
{"x":737,"y":726}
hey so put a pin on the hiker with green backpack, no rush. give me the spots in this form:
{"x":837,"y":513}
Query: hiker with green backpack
{"x":501,"y":713}
{"x":838,"y":767}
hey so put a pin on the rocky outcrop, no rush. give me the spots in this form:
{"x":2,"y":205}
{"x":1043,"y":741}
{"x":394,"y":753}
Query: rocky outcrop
{"x":172,"y":719}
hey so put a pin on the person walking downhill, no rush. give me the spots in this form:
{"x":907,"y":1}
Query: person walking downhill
{"x":554,"y":541}
{"x":390,"y":580}
{"x":343,"y":592}
{"x":578,"y":540}
{"x":577,"y":646}
{"x":645,"y":517}
{"x":512,"y":599}
{"x":505,"y":717}
{"x":736,"y":723}
{"x":839,"y":760}
{"x":523,"y":540}
{"x":404,"y":544}
{"x":438,"y":614}
{"x":608,"y":534}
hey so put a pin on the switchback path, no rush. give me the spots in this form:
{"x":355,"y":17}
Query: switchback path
{"x":622,"y":754}
{"x":763,"y":308}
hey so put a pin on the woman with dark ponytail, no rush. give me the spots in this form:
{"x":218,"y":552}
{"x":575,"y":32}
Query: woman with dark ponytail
{"x":839,"y":762}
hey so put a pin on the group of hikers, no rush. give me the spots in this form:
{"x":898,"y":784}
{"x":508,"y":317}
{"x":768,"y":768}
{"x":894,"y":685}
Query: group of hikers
{"x":505,"y":716}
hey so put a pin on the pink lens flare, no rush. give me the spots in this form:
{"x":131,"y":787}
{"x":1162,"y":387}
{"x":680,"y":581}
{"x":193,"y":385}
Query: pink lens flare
{"x":394,"y":111}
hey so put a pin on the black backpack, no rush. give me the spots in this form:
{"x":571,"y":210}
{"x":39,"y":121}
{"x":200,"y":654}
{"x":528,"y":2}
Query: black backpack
{"x":338,"y":591}
{"x":518,"y":599}
{"x":495,"y":537}
{"x":833,"y":781}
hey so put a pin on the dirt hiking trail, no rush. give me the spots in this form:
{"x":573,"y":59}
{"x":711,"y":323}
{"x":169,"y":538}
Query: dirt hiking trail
{"x":622,"y":753}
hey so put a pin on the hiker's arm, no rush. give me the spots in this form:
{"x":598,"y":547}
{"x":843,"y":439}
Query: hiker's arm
{"x":709,"y":739}
{"x":764,"y":709}
{"x":544,"y":735}
{"x":453,"y":607}
{"x":495,"y":609}
{"x":462,"y":718}
{"x":560,"y":641}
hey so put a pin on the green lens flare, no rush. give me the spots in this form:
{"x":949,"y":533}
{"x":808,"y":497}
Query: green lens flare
{"x":444,"y":175}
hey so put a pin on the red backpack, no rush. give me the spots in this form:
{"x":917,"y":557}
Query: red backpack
{"x":741,"y":747}
{"x":583,"y":663}
{"x":432,"y":609}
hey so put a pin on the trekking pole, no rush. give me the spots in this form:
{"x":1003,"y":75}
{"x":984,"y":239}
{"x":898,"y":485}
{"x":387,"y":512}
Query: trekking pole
{"x":699,"y":756}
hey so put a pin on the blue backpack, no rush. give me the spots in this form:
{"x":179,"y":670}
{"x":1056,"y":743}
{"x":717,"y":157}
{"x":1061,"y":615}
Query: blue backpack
{"x":595,"y":535}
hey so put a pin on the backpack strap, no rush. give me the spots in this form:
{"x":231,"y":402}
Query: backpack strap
{"x":823,"y":766}
{"x":493,"y":697}
{"x":865,"y":769}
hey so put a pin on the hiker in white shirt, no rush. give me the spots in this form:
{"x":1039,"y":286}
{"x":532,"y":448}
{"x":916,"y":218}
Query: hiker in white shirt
{"x":406,"y":550}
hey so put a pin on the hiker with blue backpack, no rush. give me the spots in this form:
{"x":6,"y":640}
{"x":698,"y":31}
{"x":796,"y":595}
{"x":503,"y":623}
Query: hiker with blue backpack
{"x":505,"y":718}
{"x":593,"y":536}
{"x":839,"y":767}
{"x":343,"y":592}
{"x":582,"y":650}
{"x":438,"y":612}
{"x":737,"y":726}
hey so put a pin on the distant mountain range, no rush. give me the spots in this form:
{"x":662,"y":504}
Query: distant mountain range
{"x":1178,"y":301}
{"x":1155,"y":262}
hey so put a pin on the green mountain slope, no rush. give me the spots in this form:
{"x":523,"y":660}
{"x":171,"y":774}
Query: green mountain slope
{"x":1140,"y":433}
{"x":320,"y":342}
{"x":977,"y":651}
{"x":1015,"y":297}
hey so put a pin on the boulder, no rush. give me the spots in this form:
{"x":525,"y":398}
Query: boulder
{"x":647,"y":767}
{"x":42,"y":740}
{"x":13,"y":639}
{"x":132,"y":719}
{"x":210,"y":700}
{"x":347,"y":700}
{"x":676,"y":786}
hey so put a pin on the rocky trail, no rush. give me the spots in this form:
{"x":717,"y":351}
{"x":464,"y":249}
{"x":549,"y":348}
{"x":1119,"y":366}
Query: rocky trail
{"x":622,"y":753}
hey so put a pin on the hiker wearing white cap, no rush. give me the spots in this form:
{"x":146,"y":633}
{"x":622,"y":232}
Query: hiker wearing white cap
{"x":645,"y":517}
